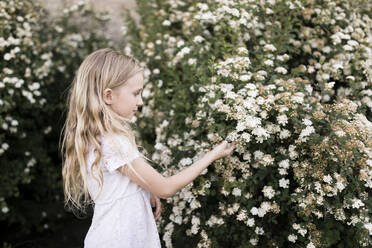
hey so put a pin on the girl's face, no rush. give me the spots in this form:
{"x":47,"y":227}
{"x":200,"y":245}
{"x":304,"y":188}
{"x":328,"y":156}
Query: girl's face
{"x":126,"y":98}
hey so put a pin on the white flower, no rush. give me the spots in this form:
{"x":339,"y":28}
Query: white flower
{"x":253,"y":241}
{"x":258,"y":155}
{"x":186,"y":161}
{"x":198,"y":39}
{"x":246,"y":137}
{"x":368,"y":226}
{"x":242,"y":215}
{"x":302,"y":232}
{"x":261,"y":133}
{"x":5,"y":146}
{"x":292,"y":152}
{"x":281,"y":70}
{"x":348,"y":48}
{"x":296,"y":226}
{"x":284,"y":183}
{"x":191,"y":61}
{"x":4,"y":126}
{"x":194,"y":229}
{"x":326,"y":49}
{"x":7,"y":56}
{"x":269,"y":62}
{"x":327,"y":179}
{"x":261,"y":212}
{"x":352,"y":78}
{"x":269,"y":47}
{"x":5,"y":210}
{"x":265,"y":206}
{"x":34,"y":86}
{"x":245,"y":77}
{"x":180,"y":43}
{"x":166,"y":23}
{"x":268,"y":191}
{"x":195,"y":204}
{"x":236,"y":192}
{"x":340,"y":186}
{"x":292,"y":238}
{"x":307,"y":131}
{"x":185,"y":50}
{"x":259,"y":231}
{"x":309,"y":88}
{"x":252,"y":122}
{"x":330,"y":85}
{"x":310,"y":245}
{"x":352,"y":43}
{"x":195,"y":221}
{"x":282,"y":58}
{"x":247,"y":156}
{"x":242,"y":50}
{"x":269,"y":11}
{"x":250,"y":222}
{"x":146,"y":93}
{"x":282,"y":119}
{"x":357,"y":203}
{"x":284,"y":134}
{"x":283,"y":171}
{"x":254,"y":211}
{"x":306,"y":122}
{"x":284,"y":164}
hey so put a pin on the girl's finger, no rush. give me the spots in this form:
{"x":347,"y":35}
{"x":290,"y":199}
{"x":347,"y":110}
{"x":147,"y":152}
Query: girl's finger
{"x":158,"y":208}
{"x":231,"y":147}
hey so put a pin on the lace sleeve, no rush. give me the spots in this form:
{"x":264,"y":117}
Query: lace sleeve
{"x":118,"y":151}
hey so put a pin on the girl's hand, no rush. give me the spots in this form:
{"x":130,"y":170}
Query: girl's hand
{"x":155,"y":203}
{"x":223,"y":149}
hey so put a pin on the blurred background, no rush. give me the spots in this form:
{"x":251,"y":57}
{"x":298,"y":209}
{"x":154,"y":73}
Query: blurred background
{"x":52,"y":39}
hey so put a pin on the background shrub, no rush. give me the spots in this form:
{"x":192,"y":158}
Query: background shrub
{"x":39,"y":55}
{"x":291,"y":82}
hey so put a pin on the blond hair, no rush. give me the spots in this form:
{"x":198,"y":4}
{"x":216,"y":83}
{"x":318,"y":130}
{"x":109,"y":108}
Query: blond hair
{"x":89,"y":117}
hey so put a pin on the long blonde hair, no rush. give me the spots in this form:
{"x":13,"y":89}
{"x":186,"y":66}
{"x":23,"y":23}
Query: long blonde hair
{"x":89,"y":117}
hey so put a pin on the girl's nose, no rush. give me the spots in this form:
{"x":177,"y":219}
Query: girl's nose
{"x":140,"y":102}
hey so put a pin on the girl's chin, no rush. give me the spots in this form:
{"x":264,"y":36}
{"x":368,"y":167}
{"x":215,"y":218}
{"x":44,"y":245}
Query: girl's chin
{"x":130,"y":117}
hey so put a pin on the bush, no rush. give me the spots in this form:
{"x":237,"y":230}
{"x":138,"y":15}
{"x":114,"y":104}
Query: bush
{"x":39,"y":58}
{"x":290,"y":81}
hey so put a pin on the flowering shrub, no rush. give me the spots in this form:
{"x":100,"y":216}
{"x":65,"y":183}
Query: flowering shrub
{"x":39,"y":58}
{"x":290,"y":81}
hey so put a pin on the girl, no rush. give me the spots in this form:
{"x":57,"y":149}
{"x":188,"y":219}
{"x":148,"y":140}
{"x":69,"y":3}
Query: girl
{"x":101,"y":162}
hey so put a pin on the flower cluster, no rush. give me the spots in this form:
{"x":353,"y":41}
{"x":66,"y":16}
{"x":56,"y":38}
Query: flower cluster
{"x":290,"y":81}
{"x":38,"y":57}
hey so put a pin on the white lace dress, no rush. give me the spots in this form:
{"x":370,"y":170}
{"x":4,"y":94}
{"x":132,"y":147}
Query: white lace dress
{"x":122,"y":213}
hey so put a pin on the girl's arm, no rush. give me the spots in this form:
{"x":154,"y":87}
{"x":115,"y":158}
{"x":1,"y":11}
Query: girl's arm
{"x":165,"y":187}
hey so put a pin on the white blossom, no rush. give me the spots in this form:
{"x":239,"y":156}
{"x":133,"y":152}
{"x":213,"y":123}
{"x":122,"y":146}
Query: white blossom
{"x":292,"y":238}
{"x":236,"y":192}
{"x":268,"y":192}
{"x":284,"y":183}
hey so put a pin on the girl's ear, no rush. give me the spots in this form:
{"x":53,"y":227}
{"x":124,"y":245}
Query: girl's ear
{"x":107,"y":96}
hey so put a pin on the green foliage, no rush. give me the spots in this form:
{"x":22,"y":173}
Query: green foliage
{"x":291,"y":82}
